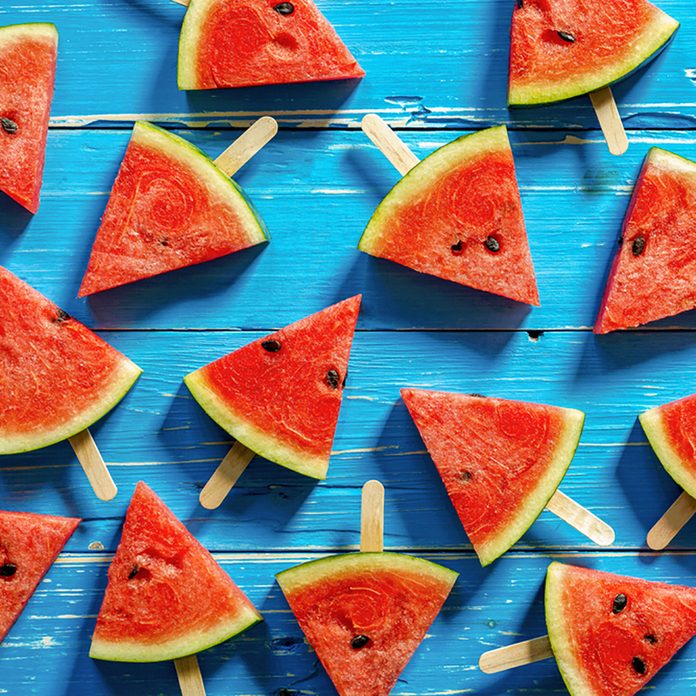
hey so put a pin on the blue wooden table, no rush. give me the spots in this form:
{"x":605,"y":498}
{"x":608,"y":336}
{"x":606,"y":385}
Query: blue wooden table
{"x":435,"y":69}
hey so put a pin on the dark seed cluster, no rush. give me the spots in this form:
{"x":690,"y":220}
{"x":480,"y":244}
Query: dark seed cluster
{"x":7,"y":570}
{"x":8,"y":125}
{"x":359,"y":641}
{"x":638,"y":665}
{"x":272,"y":346}
{"x":457,"y":248}
{"x":619,"y":603}
{"x":284,"y":8}
{"x":492,"y":244}
{"x":566,"y":36}
{"x":134,"y":571}
{"x":650,"y":638}
{"x":333,"y":379}
{"x":638,"y":246}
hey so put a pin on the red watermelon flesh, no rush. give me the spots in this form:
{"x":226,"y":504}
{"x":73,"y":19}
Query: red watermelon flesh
{"x":28,"y":55}
{"x":170,"y":207}
{"x":457,"y":215}
{"x":167,"y":597}
{"x":654,"y":272}
{"x":500,"y":460}
{"x":29,"y":544}
{"x":365,"y":614}
{"x":281,"y":395}
{"x":563,"y":48}
{"x":56,"y":376}
{"x":243,"y":43}
{"x":611,"y":634}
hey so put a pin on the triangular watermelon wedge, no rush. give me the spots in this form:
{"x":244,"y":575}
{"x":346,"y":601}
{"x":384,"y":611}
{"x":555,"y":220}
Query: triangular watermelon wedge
{"x":611,"y":634}
{"x":457,"y":215}
{"x":230,"y":43}
{"x":280,"y":395}
{"x":28,"y":54}
{"x":654,"y":271}
{"x":167,"y":597}
{"x":501,"y":461}
{"x":170,"y":207}
{"x":565,"y":48}
{"x":29,"y":544}
{"x":670,"y":429}
{"x":56,"y":376}
{"x":366,"y":613}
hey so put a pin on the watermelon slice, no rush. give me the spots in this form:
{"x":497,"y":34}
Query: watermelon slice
{"x":170,"y":207}
{"x":56,"y":376}
{"x":167,"y":597}
{"x":366,"y":613}
{"x":654,"y":272}
{"x":670,"y":429}
{"x":280,"y":395}
{"x":611,"y":634}
{"x":29,"y":544}
{"x":457,"y":215}
{"x":28,"y":55}
{"x":244,"y":43}
{"x":565,"y":48}
{"x":501,"y":461}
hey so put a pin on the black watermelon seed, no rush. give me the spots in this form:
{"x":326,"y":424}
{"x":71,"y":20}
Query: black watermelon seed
{"x":134,"y":571}
{"x":492,"y":244}
{"x":359,"y":641}
{"x":457,"y":248}
{"x":478,"y":396}
{"x":333,"y":379}
{"x":638,"y":665}
{"x":345,"y":379}
{"x":284,"y":8}
{"x":61,"y":316}
{"x":638,"y":246}
{"x":466,"y":476}
{"x":566,"y":36}
{"x":164,"y":241}
{"x":620,"y":602}
{"x":7,"y":570}
{"x":519,"y":4}
{"x":8,"y":125}
{"x":619,"y":241}
{"x":272,"y":346}
{"x":650,"y":638}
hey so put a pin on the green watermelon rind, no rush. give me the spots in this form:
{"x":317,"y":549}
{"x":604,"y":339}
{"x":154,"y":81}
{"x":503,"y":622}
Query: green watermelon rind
{"x":206,"y":170}
{"x":31,"y":29}
{"x":249,"y":435}
{"x":678,"y":469}
{"x":182,"y":646}
{"x":656,"y":37}
{"x":538,"y":499}
{"x":559,"y":637}
{"x":430,"y":168}
{"x":122,"y":381}
{"x":314,"y":572}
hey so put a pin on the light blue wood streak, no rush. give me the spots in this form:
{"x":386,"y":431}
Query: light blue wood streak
{"x":46,"y":651}
{"x":316,"y":191}
{"x":429,"y":64}
{"x":161,"y":435}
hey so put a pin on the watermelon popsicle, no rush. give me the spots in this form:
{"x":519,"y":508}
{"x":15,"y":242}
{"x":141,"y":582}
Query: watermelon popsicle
{"x":566,"y":49}
{"x":57,"y":378}
{"x":366,"y":613}
{"x":279,"y":396}
{"x":609,"y":634}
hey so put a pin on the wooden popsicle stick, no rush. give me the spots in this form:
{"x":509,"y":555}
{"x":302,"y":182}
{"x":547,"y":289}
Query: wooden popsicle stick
{"x":189,"y":675}
{"x":581,"y":519}
{"x":389,"y":143}
{"x":372,"y":517}
{"x":609,"y":120}
{"x":247,"y":145}
{"x":516,"y":655}
{"x":225,"y":476}
{"x":91,"y":460}
{"x":667,"y":527}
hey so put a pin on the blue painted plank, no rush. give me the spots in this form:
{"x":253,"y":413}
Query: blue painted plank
{"x":429,"y":63}
{"x":316,"y":191}
{"x":46,"y":651}
{"x":161,"y":435}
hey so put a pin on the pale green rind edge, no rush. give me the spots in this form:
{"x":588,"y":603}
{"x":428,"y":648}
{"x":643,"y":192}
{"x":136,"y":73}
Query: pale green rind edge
{"x":651,"y":421}
{"x":430,"y":168}
{"x":666,"y":159}
{"x":314,"y":572}
{"x":256,"y":440}
{"x":31,"y":29}
{"x":188,"y":44}
{"x":655,"y":38}
{"x":206,"y":170}
{"x":537,"y":499}
{"x":128,"y":373}
{"x":570,"y":670}
{"x":125,"y":651}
